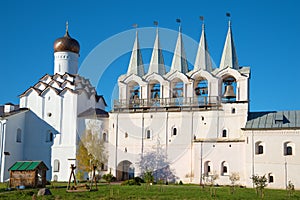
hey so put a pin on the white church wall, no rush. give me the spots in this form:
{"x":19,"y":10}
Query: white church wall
{"x":52,"y":108}
{"x":12,"y":149}
{"x":217,"y":153}
{"x":273,"y":159}
{"x":38,"y":143}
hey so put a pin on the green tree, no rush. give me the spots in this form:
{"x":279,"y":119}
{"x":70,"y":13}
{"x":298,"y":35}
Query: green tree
{"x":148,"y":177}
{"x":91,"y":149}
{"x":260,"y":183}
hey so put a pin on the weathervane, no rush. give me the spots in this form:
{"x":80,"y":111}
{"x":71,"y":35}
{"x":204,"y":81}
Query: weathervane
{"x":179,"y":22}
{"x":155,"y":23}
{"x":229,"y":18}
{"x":202,"y":20}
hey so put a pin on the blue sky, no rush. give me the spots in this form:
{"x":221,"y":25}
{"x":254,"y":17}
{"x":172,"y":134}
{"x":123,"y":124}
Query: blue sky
{"x":266,"y":35}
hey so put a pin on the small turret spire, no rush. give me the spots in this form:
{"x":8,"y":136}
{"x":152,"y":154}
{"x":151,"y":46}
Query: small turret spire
{"x":229,"y":55}
{"x":203,"y":59}
{"x":136,"y":65}
{"x":157,"y":59}
{"x":179,"y":62}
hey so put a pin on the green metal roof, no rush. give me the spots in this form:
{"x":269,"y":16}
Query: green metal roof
{"x":26,"y":165}
{"x":273,"y":120}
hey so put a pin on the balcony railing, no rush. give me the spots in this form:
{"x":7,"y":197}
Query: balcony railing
{"x":167,"y":102}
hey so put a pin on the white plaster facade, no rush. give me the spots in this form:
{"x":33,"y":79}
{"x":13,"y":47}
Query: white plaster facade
{"x":200,"y":118}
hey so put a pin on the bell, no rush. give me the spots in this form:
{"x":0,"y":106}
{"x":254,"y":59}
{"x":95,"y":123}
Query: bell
{"x":229,"y":92}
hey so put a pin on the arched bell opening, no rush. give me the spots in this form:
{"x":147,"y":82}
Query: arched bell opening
{"x":134,"y":93}
{"x":201,"y":90}
{"x":155,"y":92}
{"x":177,"y":91}
{"x":229,"y":89}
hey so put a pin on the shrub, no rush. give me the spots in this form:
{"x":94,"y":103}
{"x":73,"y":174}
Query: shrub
{"x":131,"y":182}
{"x":139,"y":179}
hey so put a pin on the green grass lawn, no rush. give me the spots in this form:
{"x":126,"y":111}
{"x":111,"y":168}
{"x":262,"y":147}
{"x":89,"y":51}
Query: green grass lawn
{"x":140,"y":192}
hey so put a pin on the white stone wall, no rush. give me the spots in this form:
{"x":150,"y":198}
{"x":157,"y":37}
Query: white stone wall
{"x":9,"y":129}
{"x":273,"y":161}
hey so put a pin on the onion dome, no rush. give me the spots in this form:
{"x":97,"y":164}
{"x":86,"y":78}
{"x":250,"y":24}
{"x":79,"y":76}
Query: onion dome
{"x":66,"y":43}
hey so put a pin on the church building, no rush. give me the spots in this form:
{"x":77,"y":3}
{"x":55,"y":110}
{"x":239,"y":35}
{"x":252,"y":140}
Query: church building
{"x":200,"y":118}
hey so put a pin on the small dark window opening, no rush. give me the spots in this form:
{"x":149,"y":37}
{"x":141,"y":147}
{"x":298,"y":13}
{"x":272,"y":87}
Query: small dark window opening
{"x":104,"y":137}
{"x":224,"y":169}
{"x":289,"y":151}
{"x":208,"y":169}
{"x":260,"y":149}
{"x":224,"y":133}
{"x":148,"y":134}
{"x":271,"y":179}
{"x":174,"y":131}
{"x":233,"y":110}
{"x":51,"y":137}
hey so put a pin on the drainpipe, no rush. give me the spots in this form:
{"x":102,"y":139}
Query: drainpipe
{"x":116,"y":151}
{"x":192,"y":142}
{"x":253,"y":152}
{"x":143,"y":119}
{"x":201,"y":163}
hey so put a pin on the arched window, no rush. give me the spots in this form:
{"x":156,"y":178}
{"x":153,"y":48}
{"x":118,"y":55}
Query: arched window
{"x":289,"y":148}
{"x":224,"y":168}
{"x":55,"y":178}
{"x":208,"y":168}
{"x":19,"y":136}
{"x":104,"y":137}
{"x":49,"y":136}
{"x":56,"y":165}
{"x":174,"y":131}
{"x":224,"y":133}
{"x":259,"y":148}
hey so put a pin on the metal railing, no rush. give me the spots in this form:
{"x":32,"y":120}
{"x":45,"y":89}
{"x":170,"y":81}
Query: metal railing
{"x":168,"y":102}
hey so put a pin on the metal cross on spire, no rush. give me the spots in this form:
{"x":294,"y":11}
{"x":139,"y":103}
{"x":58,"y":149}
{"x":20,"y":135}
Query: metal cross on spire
{"x":67,"y":26}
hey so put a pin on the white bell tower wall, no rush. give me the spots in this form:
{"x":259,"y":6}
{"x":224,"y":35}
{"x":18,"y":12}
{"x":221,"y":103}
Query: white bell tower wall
{"x":65,"y":62}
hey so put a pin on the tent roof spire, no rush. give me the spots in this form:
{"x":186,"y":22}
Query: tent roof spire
{"x":229,"y":55}
{"x":203,"y":59}
{"x":157,"y":59}
{"x":179,"y":62}
{"x":136,"y":65}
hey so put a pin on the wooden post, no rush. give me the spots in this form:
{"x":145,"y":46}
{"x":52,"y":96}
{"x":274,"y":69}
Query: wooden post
{"x":94,"y":177}
{"x":72,"y":174}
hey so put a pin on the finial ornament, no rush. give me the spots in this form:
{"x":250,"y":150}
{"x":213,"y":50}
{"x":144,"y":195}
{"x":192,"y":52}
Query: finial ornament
{"x":135,"y":25}
{"x":67,"y":26}
{"x":179,"y":22}
{"x":155,"y":23}
{"x":229,"y":18}
{"x":202,"y":19}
